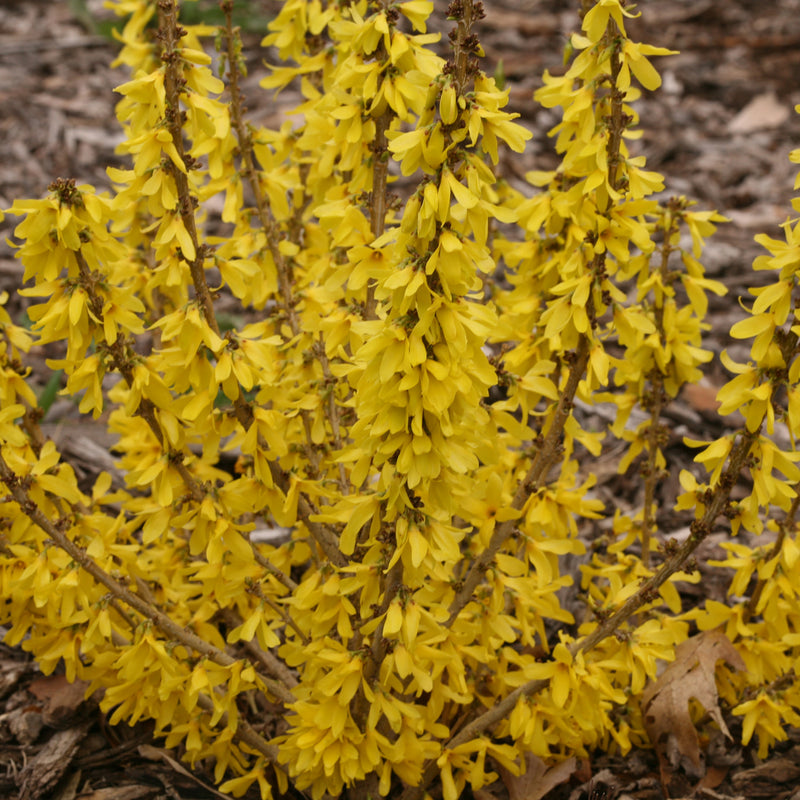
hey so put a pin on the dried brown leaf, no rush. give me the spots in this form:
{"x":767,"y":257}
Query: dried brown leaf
{"x":665,"y":702}
{"x":763,"y":111}
{"x":61,"y":699}
{"x":713,"y":777}
{"x":538,"y":779}
{"x":701,"y":396}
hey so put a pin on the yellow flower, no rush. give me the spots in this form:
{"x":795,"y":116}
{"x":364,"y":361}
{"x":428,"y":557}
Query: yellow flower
{"x":417,"y":11}
{"x":765,"y":717}
{"x":634,"y":60}
{"x":597,"y":19}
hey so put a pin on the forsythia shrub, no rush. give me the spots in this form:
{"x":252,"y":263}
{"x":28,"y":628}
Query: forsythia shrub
{"x":397,"y":393}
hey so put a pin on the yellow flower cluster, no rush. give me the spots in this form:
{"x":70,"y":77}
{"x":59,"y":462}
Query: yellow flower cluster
{"x":591,"y":232}
{"x":763,"y":617}
{"x":349,"y":502}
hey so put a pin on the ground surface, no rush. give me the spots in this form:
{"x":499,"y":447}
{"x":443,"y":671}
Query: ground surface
{"x":720,"y":130}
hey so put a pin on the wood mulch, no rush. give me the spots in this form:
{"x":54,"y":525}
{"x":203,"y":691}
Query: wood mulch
{"x":720,"y":129}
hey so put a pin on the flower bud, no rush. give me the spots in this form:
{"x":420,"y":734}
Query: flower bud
{"x":447,"y":105}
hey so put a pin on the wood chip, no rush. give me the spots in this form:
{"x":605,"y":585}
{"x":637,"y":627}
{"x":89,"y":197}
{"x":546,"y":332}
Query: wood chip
{"x":51,"y":762}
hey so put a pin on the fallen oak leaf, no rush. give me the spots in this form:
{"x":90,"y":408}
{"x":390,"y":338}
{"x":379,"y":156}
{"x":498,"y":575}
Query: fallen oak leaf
{"x":713,"y":777}
{"x":538,"y":778}
{"x":665,"y":702}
